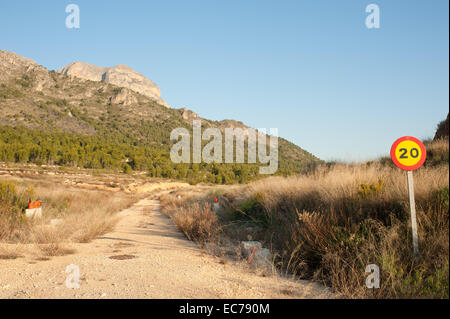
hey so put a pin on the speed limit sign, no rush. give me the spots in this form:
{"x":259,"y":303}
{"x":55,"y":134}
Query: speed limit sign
{"x":408,"y":153}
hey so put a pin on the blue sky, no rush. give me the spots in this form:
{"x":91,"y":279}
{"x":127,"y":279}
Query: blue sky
{"x":310,"y":68}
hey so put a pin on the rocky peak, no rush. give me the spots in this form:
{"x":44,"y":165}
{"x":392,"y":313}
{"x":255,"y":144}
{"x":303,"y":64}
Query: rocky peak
{"x":84,"y":71}
{"x":120,"y":75}
{"x":13,"y":60}
{"x":11,"y":63}
{"x":18,"y":68}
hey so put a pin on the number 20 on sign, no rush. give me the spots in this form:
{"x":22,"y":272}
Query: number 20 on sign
{"x":408,"y":153}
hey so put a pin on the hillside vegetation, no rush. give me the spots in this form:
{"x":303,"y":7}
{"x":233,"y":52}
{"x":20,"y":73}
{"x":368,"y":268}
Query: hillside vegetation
{"x":50,"y":118}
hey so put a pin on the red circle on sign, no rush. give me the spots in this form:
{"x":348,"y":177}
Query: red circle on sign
{"x":405,"y":167}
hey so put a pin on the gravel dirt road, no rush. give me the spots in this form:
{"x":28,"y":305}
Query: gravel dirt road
{"x":144,"y":257}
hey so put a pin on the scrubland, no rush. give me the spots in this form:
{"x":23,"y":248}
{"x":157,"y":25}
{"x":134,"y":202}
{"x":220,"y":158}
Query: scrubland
{"x":330,"y":224}
{"x":70,"y":215}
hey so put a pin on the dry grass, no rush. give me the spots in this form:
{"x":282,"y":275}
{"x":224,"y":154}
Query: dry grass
{"x":438,"y":151}
{"x":10,"y":251}
{"x":92,"y":225}
{"x":70,"y":215}
{"x":197,"y":221}
{"x":331,"y":224}
{"x":55,"y":249}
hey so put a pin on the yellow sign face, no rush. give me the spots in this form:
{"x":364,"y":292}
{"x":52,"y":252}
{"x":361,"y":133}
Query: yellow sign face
{"x":408,"y":153}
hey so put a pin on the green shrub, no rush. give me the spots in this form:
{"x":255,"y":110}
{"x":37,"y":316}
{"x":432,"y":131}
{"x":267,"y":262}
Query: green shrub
{"x":127,"y":169}
{"x":252,"y":210}
{"x":373,"y":189}
{"x":8,"y":193}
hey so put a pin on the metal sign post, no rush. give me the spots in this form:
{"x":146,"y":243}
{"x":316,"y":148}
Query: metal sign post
{"x":408,"y":153}
{"x":412,"y":206}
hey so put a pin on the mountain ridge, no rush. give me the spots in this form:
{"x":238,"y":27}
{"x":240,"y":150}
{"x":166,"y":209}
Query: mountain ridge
{"x":124,"y":126}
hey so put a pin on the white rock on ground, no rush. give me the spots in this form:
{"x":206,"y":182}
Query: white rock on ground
{"x":247,"y":247}
{"x":262,"y":256}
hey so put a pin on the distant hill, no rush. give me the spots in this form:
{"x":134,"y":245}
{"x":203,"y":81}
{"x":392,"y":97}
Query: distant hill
{"x":56,"y":118}
{"x":442,"y":130}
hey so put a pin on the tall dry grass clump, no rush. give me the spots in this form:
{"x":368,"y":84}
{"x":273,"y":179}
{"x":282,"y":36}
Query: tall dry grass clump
{"x":195,"y":219}
{"x":438,"y":152}
{"x":198,"y":222}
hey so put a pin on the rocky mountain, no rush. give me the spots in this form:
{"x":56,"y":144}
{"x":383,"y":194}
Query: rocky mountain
{"x":55,"y":118}
{"x":120,"y":75}
{"x":12,"y":64}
